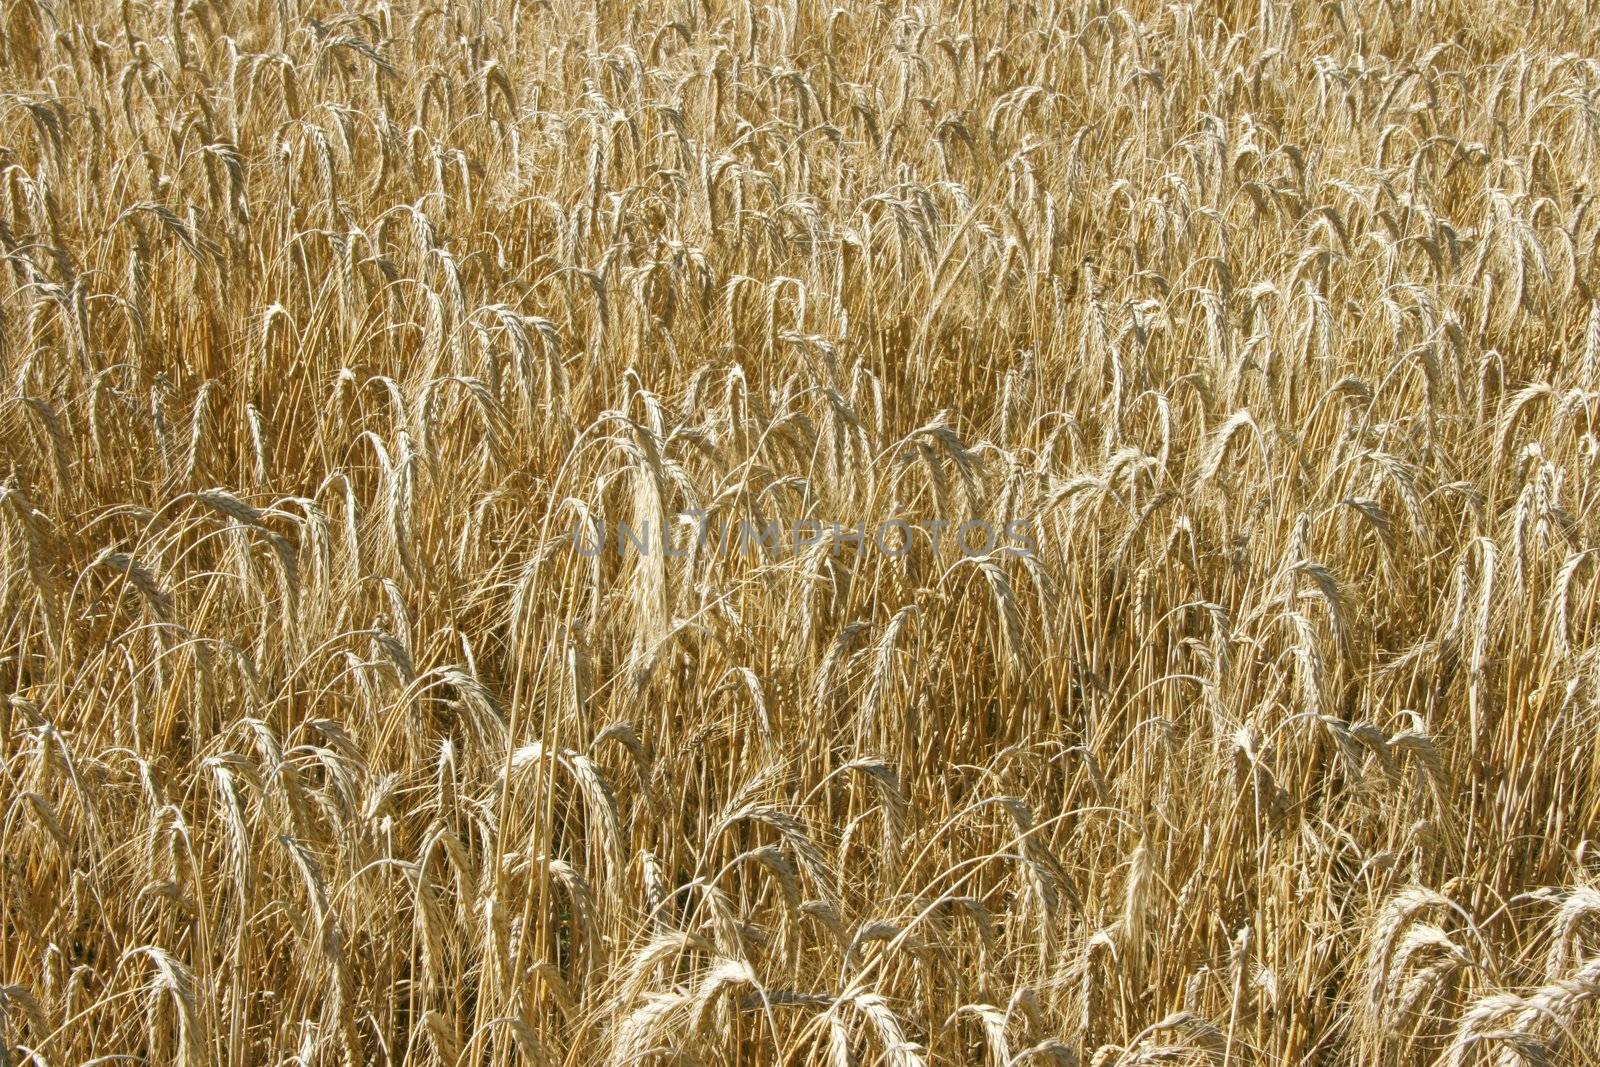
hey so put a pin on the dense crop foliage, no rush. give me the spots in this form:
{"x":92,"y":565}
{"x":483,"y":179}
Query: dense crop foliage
{"x":1273,"y":326}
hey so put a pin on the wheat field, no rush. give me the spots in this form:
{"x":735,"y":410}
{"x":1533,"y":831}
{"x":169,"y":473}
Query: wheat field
{"x":338,"y":337}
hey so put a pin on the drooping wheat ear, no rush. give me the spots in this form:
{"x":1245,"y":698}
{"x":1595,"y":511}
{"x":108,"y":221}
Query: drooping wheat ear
{"x":352,"y":540}
{"x":226,"y":770}
{"x":655,"y":889}
{"x":1102,"y":943}
{"x":284,"y":554}
{"x":884,"y":672}
{"x":1423,"y":958}
{"x":670,"y":945}
{"x":199,"y":418}
{"x":794,"y":834}
{"x":156,"y":600}
{"x":599,"y":801}
{"x":895,"y":808}
{"x":1211,"y":460}
{"x":328,"y":942}
{"x":1137,"y":897}
{"x":1398,"y":913}
{"x":258,"y":447}
{"x":772,"y":859}
{"x":1477,"y":1026}
{"x":1551,"y":1011}
{"x":174,"y":983}
{"x":1589,"y":368}
{"x":1579,"y":906}
{"x":625,"y":734}
{"x":1201,"y":1035}
{"x":401,"y":505}
{"x":601,"y":805}
{"x":649,"y":482}
{"x":838,"y":1041}
{"x":838,"y":650}
{"x":1430,"y":766}
{"x":993,"y":1021}
{"x":1506,"y":424}
{"x":726,"y":977}
{"x":1005,"y":605}
{"x":897,"y":1051}
{"x":1558,"y":603}
{"x":56,"y":442}
{"x":1045,"y":877}
{"x":18,"y":1004}
{"x":442,"y":1033}
{"x":1403,"y":476}
{"x":744,"y":677}
{"x":643,"y":1034}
